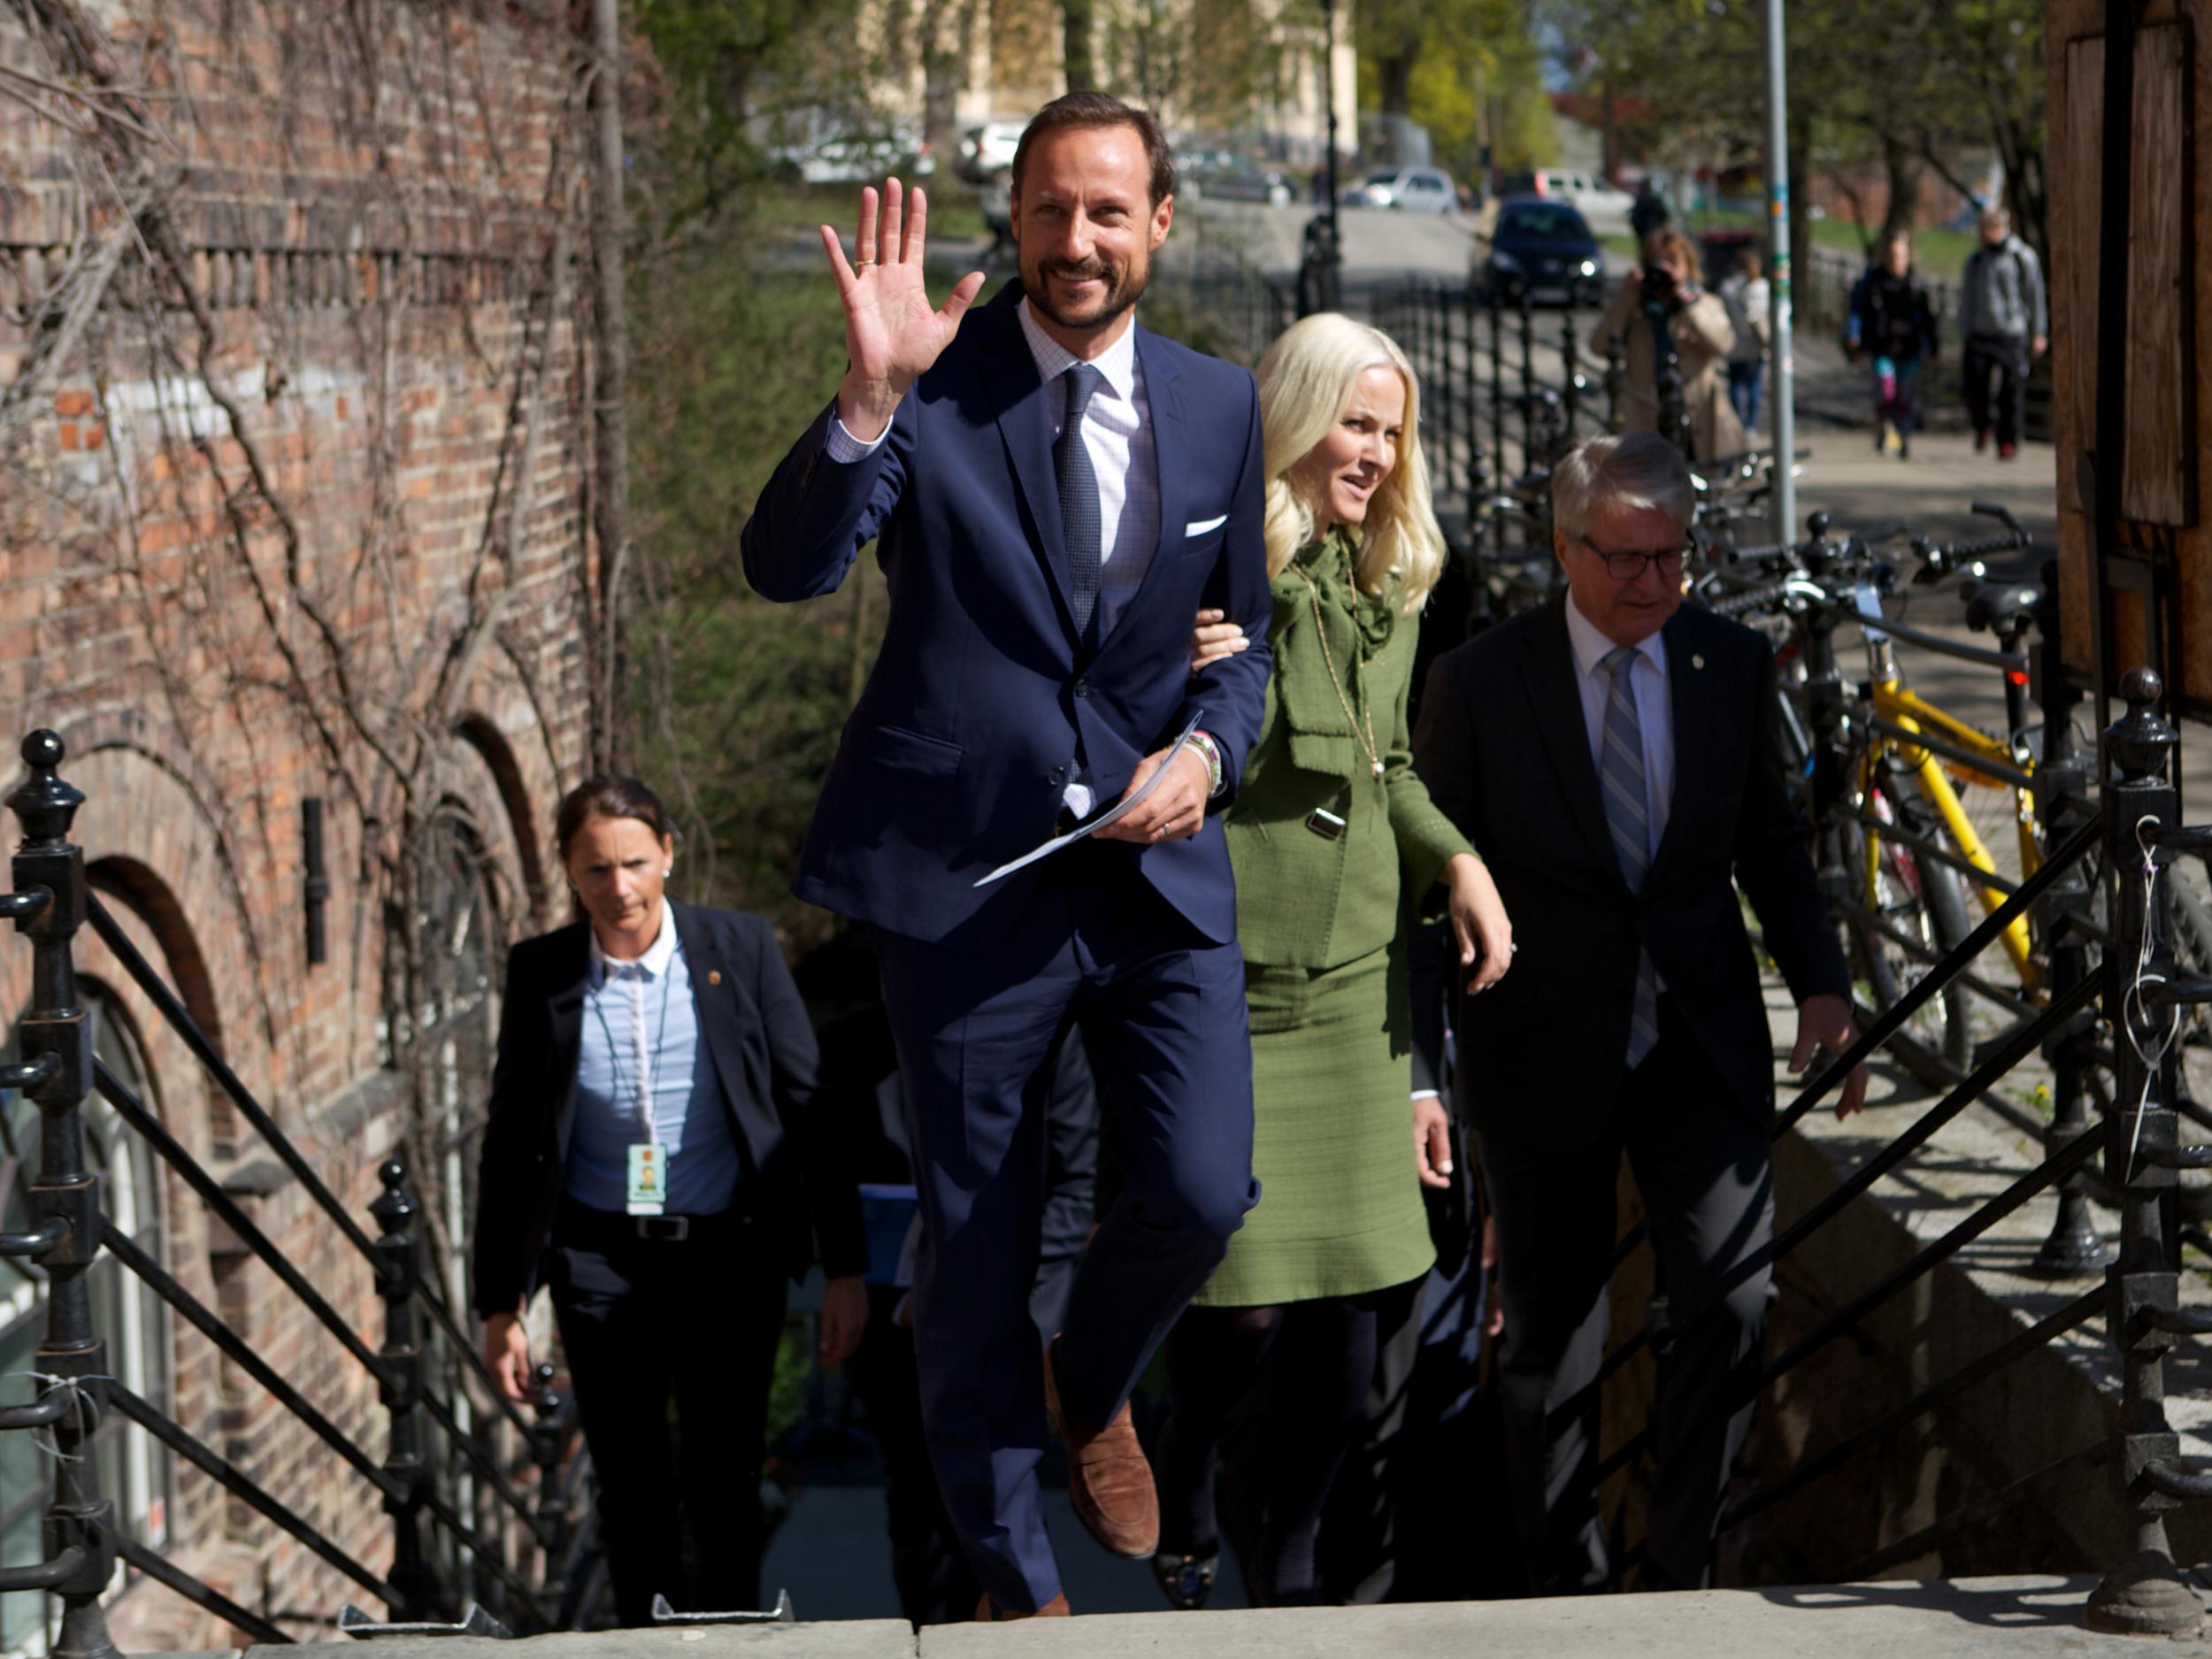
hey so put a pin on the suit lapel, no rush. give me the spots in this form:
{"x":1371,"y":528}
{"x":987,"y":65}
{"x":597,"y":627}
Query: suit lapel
{"x":1685,"y":697}
{"x":1164,"y":418}
{"x":1549,"y":666}
{"x":565,"y":1009}
{"x":1025,"y":421}
{"x":717,"y":997}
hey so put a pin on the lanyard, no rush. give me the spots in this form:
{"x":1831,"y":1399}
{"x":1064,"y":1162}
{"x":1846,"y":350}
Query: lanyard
{"x":643,"y":1057}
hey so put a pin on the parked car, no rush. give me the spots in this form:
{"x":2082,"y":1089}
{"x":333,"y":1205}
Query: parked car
{"x":1408,"y":189}
{"x":1241,"y":181}
{"x":857,"y":158}
{"x":1543,"y":249}
{"x":988,"y":148}
{"x":1588,"y":192}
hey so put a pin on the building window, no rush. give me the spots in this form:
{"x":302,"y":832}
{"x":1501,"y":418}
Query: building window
{"x":135,"y":1472}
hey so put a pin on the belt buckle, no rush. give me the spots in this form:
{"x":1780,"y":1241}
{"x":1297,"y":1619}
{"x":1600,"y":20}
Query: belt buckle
{"x":663,"y":1229}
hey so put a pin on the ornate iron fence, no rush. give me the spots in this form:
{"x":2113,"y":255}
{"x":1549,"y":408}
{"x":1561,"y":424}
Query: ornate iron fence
{"x":474,"y":1520}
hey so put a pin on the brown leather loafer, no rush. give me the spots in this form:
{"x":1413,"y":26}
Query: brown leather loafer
{"x":989,"y":1612}
{"x":1108,"y":1481}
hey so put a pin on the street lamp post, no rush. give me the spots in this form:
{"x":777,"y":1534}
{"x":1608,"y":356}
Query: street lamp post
{"x":1779,"y":308}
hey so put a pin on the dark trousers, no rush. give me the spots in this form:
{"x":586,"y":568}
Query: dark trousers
{"x":1311,"y":1367}
{"x":1162,"y":1011}
{"x":935,"y":1584}
{"x":1706,"y":1177}
{"x":1745,"y":381}
{"x":671,"y":1345}
{"x":2002,"y":405}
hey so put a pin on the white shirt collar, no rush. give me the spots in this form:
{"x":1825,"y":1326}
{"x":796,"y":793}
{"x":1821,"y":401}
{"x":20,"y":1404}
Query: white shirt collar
{"x":1117,"y":363}
{"x":1592,"y":648}
{"x":654,"y":962}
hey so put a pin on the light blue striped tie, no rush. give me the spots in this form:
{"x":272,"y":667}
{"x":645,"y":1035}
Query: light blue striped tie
{"x":1628,"y":815}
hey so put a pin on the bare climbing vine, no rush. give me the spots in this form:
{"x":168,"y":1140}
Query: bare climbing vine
{"x":302,"y":606}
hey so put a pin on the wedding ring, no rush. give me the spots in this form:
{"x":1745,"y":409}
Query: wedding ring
{"x":862,"y":265}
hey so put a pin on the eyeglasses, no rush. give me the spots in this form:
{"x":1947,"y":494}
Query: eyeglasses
{"x":1627,"y":566}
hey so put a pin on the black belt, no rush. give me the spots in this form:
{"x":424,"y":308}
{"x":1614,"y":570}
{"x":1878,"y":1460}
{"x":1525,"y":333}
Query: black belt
{"x":575,"y":1222}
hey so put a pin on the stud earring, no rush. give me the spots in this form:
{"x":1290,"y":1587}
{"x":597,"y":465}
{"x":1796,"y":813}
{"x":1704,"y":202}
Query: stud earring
{"x":666,"y":874}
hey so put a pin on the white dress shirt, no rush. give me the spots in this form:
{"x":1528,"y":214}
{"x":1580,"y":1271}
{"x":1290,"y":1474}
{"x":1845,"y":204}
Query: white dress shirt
{"x":1119,"y":435}
{"x":1654,"y":708}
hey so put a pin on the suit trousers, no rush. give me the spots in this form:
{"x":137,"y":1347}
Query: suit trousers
{"x":1162,"y":1012}
{"x":691,"y":1325}
{"x":1705,"y":1172}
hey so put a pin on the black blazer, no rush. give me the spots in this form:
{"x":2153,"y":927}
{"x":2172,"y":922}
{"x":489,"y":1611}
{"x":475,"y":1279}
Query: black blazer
{"x":1503,"y":748}
{"x":763,"y":1051}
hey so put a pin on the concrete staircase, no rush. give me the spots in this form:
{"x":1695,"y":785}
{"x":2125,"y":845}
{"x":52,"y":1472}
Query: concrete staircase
{"x":1966,"y":1618}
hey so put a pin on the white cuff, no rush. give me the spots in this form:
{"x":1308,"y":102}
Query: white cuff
{"x":844,"y":448}
{"x":1428,"y":1093}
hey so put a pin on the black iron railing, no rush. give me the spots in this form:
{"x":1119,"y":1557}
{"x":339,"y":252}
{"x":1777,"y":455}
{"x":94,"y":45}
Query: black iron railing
{"x":2126,"y":984}
{"x":483,"y":1499}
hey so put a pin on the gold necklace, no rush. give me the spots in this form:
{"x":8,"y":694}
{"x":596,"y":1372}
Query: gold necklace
{"x":1366,"y":738}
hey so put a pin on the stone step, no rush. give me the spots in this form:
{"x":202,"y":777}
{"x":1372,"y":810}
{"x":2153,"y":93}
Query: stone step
{"x":2036,"y":1617}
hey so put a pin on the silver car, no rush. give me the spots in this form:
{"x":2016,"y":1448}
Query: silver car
{"x":1410,"y":189}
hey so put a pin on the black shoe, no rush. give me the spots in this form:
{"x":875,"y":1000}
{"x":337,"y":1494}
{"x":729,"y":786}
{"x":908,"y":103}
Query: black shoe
{"x":1904,"y":448}
{"x":1186,"y":1580}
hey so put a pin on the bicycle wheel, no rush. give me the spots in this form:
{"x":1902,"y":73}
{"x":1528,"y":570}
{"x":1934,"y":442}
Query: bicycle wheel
{"x":1908,"y":910}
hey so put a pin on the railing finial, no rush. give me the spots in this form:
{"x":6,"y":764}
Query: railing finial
{"x":43,"y":803}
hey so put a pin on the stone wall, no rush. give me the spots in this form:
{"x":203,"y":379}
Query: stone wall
{"x":296,"y":442}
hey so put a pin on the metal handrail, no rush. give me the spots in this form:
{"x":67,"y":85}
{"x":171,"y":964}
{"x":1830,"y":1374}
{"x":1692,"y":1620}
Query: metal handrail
{"x":179,"y":1019}
{"x":236,"y":1482}
{"x":172,"y":1152}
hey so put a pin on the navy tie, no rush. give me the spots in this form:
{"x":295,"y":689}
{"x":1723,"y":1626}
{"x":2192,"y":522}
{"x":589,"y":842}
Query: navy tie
{"x":1080,"y":516}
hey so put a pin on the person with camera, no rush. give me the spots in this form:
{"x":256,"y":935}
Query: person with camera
{"x":1675,"y":338}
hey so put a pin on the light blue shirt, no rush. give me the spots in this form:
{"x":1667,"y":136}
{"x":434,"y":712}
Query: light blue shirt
{"x":641,"y":1045}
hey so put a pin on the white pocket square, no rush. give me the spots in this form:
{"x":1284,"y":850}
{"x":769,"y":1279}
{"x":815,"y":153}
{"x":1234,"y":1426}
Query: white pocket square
{"x":1200,"y":526}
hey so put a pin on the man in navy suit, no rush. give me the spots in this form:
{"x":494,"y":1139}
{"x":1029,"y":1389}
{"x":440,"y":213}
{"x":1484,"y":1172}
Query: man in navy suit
{"x":1054,"y":493}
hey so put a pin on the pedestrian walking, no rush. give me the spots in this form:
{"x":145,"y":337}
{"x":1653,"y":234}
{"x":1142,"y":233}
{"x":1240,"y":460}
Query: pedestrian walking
{"x":656,"y":1158}
{"x":1611,"y":758}
{"x":2004,"y":318}
{"x":1331,"y":830}
{"x":1892,"y":328}
{"x":1055,"y":492}
{"x":1744,"y":292}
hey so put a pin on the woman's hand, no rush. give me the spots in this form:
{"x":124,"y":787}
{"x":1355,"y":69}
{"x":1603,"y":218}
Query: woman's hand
{"x":1479,"y":920}
{"x":1213,"y":640}
{"x":1432,"y":1141}
{"x":844,"y":1317}
{"x":507,"y":1357}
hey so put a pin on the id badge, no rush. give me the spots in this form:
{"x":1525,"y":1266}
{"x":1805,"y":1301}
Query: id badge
{"x":648,"y":1193}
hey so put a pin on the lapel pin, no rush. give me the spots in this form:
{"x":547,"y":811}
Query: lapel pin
{"x":1696,"y":660}
{"x":714,"y":976}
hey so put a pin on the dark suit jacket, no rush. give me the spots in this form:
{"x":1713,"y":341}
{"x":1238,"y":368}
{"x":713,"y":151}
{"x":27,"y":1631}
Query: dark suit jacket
{"x":1504,"y":750}
{"x":762,"y":1048}
{"x":957,"y":756}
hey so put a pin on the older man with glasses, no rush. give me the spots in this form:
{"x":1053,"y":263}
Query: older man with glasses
{"x":1611,"y":758}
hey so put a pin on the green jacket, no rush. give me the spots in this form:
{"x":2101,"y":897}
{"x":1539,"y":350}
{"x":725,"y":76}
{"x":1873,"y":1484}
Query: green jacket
{"x":1303,"y":900}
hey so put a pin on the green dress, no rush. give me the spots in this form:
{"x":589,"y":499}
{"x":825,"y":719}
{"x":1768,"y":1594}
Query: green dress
{"x":1340,"y":1211}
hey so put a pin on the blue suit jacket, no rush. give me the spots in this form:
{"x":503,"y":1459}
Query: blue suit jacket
{"x":956,"y":757}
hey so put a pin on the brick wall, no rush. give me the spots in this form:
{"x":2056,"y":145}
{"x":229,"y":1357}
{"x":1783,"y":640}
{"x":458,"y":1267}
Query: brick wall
{"x":296,"y":409}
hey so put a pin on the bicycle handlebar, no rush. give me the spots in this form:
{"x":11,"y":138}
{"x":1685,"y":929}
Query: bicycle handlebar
{"x":1759,"y":598}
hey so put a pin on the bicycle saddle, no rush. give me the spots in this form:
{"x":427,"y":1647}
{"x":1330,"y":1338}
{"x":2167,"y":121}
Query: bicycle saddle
{"x":1990,"y":604}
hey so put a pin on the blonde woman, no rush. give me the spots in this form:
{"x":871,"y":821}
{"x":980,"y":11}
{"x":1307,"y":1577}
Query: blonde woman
{"x":1330,"y":828}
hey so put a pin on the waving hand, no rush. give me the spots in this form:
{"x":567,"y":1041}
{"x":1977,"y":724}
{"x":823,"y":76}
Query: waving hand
{"x":892,"y":332}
